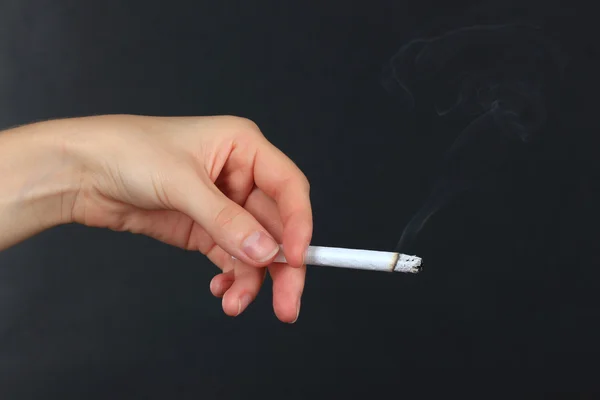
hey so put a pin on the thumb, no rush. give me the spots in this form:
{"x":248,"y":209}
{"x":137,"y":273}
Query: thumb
{"x":232,"y":227}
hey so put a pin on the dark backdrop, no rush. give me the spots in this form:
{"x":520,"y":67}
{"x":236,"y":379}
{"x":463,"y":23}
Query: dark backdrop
{"x":511,"y":277}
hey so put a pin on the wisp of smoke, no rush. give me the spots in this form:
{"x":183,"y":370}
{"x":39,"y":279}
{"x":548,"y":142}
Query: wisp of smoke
{"x":496,"y":78}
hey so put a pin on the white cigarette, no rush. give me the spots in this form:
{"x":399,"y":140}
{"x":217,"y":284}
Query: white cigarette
{"x":358,"y":259}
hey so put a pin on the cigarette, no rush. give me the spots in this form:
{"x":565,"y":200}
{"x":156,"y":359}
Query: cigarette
{"x":371,"y":260}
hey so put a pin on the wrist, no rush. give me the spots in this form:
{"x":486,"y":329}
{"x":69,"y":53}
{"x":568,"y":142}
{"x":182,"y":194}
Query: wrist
{"x":40,"y":179}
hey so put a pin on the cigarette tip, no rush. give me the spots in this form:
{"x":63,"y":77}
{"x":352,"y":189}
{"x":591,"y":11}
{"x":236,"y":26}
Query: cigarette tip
{"x":418,"y":267}
{"x":406,"y":263}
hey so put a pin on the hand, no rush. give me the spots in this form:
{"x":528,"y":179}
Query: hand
{"x":208,"y":184}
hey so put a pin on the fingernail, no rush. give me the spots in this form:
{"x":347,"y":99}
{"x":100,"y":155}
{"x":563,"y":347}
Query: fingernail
{"x":297,"y":312}
{"x":243,"y":303}
{"x":260,"y":247}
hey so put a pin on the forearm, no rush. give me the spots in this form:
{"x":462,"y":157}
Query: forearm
{"x":38,"y":180}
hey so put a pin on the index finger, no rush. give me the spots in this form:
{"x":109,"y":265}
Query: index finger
{"x":277,"y":176}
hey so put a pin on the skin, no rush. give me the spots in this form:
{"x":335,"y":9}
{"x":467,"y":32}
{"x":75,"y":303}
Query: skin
{"x":199,"y":183}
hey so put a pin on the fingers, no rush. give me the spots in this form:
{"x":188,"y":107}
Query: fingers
{"x":277,"y":176}
{"x":221,"y":283}
{"x":288,"y":285}
{"x":244,"y":289}
{"x":264,"y":209}
{"x":231,"y":227}
{"x":288,"y":282}
{"x":238,"y":286}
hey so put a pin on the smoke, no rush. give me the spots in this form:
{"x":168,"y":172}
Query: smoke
{"x":494,"y":82}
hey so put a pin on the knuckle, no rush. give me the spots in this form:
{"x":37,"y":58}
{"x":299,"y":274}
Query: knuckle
{"x":301,"y":181}
{"x":305,"y":183}
{"x":247,"y":127}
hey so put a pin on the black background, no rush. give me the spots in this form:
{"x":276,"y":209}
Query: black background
{"x":511,"y":277}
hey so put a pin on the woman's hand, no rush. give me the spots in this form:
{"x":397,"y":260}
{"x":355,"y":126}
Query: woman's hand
{"x":208,"y":184}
